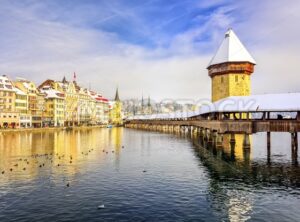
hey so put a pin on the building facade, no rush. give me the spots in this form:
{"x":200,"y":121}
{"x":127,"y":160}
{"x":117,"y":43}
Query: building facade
{"x":53,"y":103}
{"x":34,"y":101}
{"x":55,"y":107}
{"x":21,"y":106}
{"x":116,"y":117}
{"x":9,"y":118}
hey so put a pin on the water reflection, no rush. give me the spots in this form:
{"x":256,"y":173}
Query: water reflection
{"x":234,"y":161}
{"x":236,"y":174}
{"x":24,"y":154}
{"x":182,"y":181}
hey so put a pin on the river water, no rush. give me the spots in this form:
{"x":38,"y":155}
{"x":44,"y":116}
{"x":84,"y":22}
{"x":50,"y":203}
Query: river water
{"x":129,"y":175}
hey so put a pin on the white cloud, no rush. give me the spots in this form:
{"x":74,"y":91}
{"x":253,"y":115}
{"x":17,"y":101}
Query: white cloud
{"x":38,"y":48}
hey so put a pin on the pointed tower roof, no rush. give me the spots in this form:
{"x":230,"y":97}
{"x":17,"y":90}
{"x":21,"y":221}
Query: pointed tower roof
{"x":117,"y":95}
{"x":231,"y":50}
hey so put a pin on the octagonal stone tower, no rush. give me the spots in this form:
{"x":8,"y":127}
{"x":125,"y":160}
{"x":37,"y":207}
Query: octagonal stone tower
{"x":230,"y":69}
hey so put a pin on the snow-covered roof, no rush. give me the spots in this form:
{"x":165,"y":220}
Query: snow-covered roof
{"x":285,"y":102}
{"x":19,"y":92}
{"x":174,"y":115}
{"x":5,"y":84}
{"x":52,"y":93}
{"x":231,"y":50}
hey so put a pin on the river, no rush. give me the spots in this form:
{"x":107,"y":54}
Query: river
{"x":130,"y":175}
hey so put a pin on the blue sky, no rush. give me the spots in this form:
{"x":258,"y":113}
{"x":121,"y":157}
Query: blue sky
{"x":155,"y":47}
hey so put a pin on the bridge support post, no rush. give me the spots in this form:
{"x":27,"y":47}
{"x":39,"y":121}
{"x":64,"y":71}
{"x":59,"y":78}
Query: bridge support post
{"x":246,"y":142}
{"x":232,"y":151}
{"x":219,"y":141}
{"x":294,"y":144}
{"x":210,"y":137}
{"x":206,"y":135}
{"x":201,"y":133}
{"x":269,"y":147}
{"x":214,"y":138}
{"x":232,"y":138}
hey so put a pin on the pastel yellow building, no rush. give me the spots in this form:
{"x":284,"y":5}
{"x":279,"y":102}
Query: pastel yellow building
{"x":9,"y":118}
{"x":84,"y":108}
{"x":116,"y":111}
{"x":230,"y":69}
{"x":7,"y":95}
{"x":71,"y":100}
{"x":55,"y":107}
{"x":34,"y":100}
{"x":21,"y":106}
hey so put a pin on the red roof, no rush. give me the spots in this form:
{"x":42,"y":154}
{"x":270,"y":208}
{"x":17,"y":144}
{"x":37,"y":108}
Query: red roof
{"x":102,"y":99}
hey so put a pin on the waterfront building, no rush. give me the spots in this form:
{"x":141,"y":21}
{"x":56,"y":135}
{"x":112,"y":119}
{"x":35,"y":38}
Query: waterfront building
{"x":54,"y":107}
{"x":53,"y":103}
{"x":71,"y":99}
{"x":230,"y":69}
{"x":116,"y":111}
{"x":106,"y":109}
{"x":101,"y":114}
{"x":41,"y":104}
{"x":21,"y":106}
{"x":35,"y":100}
{"x":92,"y":107}
{"x":84,"y":109}
{"x":9,"y":118}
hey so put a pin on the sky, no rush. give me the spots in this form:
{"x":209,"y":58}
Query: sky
{"x":156,"y":48}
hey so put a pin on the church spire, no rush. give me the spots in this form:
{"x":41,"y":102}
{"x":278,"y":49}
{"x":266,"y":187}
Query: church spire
{"x":64,"y":80}
{"x":142,"y":103}
{"x":149,"y":101}
{"x":117,"y":95}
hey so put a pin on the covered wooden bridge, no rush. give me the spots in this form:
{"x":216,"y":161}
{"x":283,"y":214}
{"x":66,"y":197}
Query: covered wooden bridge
{"x":233,"y":115}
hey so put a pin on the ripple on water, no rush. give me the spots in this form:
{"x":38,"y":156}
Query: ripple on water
{"x":156,"y":177}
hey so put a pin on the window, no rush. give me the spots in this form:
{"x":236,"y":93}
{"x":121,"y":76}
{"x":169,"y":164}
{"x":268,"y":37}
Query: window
{"x":222,"y":79}
{"x":236,"y":78}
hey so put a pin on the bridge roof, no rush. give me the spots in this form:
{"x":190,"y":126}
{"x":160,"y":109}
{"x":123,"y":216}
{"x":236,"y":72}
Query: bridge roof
{"x":231,"y":50}
{"x":285,"y":102}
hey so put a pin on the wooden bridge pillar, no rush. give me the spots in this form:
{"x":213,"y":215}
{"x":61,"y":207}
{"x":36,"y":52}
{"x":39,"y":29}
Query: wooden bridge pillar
{"x":269,"y":147}
{"x":219,"y":140}
{"x":201,"y":133}
{"x":246,"y":142}
{"x":189,"y":130}
{"x":294,"y":145}
{"x":232,"y":138}
{"x":210,"y":137}
{"x":232,"y":151}
{"x":206,"y":135}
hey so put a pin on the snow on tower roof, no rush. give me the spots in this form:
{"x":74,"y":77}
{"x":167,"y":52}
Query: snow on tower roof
{"x":231,"y":50}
